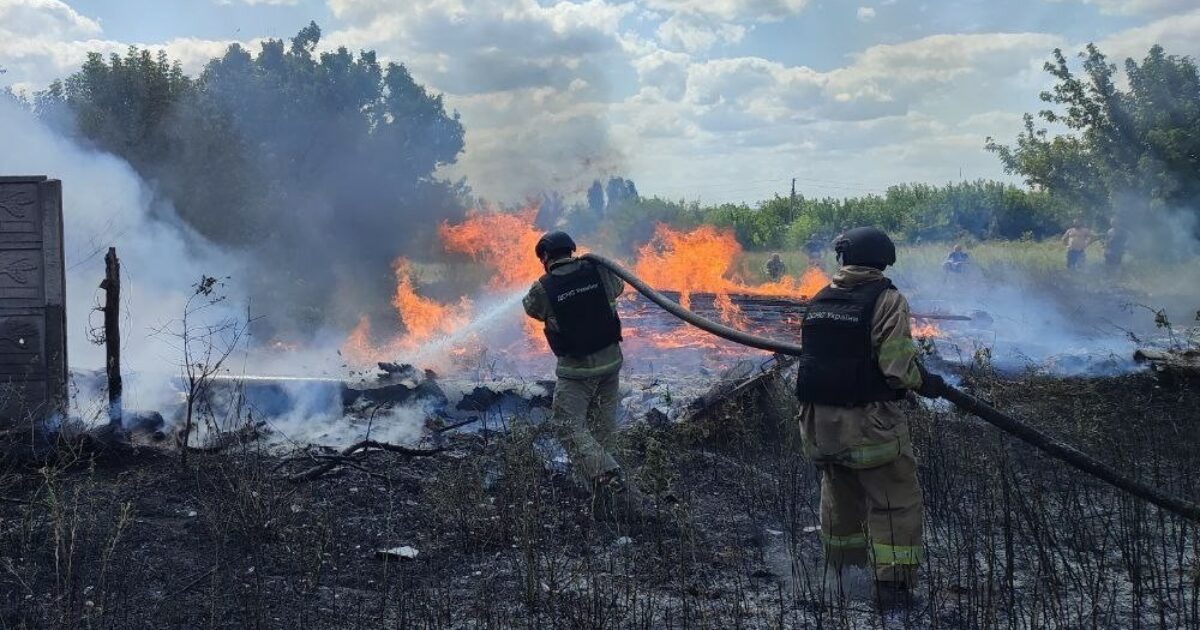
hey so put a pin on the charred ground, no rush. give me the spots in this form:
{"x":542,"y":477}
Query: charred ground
{"x":1014,"y":540}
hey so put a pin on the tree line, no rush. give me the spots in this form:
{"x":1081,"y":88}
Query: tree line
{"x":912,"y":212}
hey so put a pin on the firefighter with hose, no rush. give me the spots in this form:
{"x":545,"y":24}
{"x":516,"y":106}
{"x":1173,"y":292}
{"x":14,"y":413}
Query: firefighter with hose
{"x":576,"y":299}
{"x":857,"y":364}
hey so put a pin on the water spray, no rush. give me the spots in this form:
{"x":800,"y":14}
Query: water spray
{"x":960,"y":399}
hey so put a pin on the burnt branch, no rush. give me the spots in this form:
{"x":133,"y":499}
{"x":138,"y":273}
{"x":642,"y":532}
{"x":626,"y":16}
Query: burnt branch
{"x":346,"y":457}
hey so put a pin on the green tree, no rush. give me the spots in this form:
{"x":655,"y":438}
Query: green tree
{"x":1134,"y":150}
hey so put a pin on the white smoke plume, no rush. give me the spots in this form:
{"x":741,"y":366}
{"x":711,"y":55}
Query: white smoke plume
{"x":106,"y":204}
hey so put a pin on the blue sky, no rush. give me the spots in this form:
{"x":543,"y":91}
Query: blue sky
{"x":717,"y":100}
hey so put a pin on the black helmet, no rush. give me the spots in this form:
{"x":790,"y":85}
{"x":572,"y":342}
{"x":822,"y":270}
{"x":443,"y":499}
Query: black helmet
{"x":866,"y":246}
{"x":553,"y":243}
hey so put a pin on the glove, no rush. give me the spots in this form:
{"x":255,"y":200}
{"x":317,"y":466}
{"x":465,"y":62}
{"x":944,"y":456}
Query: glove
{"x":931,"y":384}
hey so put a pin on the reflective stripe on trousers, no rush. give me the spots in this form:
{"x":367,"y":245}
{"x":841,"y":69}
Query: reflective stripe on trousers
{"x":895,"y":554}
{"x":867,"y":456}
{"x":853,"y":541}
{"x":881,"y":554}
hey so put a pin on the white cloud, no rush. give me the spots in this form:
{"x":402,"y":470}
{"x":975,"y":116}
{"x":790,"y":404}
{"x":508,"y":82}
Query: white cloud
{"x":884,"y":80}
{"x":468,"y":46}
{"x":698,"y":25}
{"x":742,"y":10}
{"x":49,"y":19}
{"x":694,"y":34}
{"x":865,"y":14}
{"x":1177,"y":35}
{"x":1136,"y":7}
{"x":664,"y":71}
{"x":41,"y":40}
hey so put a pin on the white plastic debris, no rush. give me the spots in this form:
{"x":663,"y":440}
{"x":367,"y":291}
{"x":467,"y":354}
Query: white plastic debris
{"x":398,"y":553}
{"x":812,"y":528}
{"x":624,"y":540}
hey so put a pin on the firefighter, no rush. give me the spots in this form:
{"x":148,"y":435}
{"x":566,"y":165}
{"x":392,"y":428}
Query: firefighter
{"x":577,"y":302}
{"x":858,"y":364}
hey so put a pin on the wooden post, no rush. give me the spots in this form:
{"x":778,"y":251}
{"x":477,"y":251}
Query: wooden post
{"x":112,"y":334}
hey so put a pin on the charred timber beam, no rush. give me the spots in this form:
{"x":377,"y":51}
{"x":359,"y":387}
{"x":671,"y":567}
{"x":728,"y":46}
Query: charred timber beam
{"x":1182,"y":361}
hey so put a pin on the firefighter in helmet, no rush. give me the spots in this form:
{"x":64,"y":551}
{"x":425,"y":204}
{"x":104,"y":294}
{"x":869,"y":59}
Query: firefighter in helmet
{"x":858,"y":364}
{"x":576,"y":300}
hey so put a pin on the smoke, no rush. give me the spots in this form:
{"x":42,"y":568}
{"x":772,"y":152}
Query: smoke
{"x":106,"y":204}
{"x":1021,"y":318}
{"x":311,"y":413}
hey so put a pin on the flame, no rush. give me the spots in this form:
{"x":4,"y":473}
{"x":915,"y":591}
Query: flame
{"x":688,"y":262}
{"x":701,"y":261}
{"x":695,"y":261}
{"x":357,"y":348}
{"x":810,"y":282}
{"x":502,"y":241}
{"x":422,"y":319}
{"x":924,"y":329}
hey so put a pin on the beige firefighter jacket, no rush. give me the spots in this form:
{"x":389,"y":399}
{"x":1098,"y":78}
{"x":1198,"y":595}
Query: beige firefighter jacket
{"x":537,"y":305}
{"x":872,"y":434}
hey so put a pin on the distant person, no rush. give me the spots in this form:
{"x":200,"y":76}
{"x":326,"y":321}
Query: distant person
{"x":1077,"y":239}
{"x":775,"y":268}
{"x":815,"y":250}
{"x":1116,"y":241}
{"x":957,"y":260}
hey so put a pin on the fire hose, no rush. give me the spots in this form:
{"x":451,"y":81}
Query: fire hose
{"x":960,"y":399}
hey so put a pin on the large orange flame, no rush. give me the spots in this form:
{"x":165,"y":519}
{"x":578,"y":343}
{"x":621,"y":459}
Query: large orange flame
{"x":701,"y":261}
{"x":502,"y":241}
{"x":688,"y":262}
{"x":696,"y":261}
{"x":423,"y":319}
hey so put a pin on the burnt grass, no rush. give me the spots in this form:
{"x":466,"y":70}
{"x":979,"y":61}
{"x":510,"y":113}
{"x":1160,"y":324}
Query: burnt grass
{"x":1013,"y":539}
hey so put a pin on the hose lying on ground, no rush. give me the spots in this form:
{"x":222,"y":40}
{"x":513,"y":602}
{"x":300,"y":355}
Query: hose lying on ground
{"x":960,"y":399}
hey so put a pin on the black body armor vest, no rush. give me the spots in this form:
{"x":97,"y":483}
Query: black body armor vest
{"x":586,"y":320}
{"x":838,"y":364}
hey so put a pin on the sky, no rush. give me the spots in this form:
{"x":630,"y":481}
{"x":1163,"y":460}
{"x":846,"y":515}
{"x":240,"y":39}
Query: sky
{"x":709,"y":100}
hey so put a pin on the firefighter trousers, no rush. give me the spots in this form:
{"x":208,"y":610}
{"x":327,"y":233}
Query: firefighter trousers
{"x":872,"y":516}
{"x":583,"y":418}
